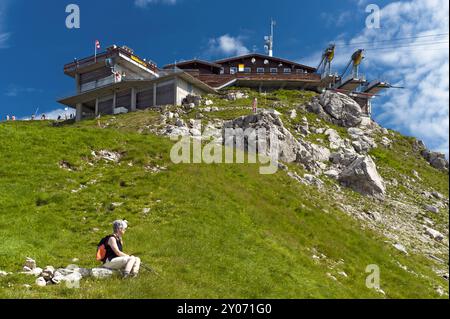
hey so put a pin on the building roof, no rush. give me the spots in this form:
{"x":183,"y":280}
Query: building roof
{"x":193,"y":61}
{"x":263,"y":56}
{"x":93,"y":62}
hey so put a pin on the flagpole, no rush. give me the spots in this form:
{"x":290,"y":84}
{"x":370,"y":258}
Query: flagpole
{"x":95,"y":44}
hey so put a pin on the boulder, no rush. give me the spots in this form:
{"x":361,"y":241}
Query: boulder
{"x":437,"y":160}
{"x":342,"y":108}
{"x":362,"y":176}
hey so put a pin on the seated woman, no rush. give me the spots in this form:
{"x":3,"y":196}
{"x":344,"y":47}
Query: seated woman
{"x":116,"y":259}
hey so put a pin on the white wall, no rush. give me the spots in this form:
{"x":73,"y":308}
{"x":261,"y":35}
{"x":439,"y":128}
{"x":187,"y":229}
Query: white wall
{"x":184,"y":89}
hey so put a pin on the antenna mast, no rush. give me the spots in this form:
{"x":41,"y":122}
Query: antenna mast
{"x":269,"y":39}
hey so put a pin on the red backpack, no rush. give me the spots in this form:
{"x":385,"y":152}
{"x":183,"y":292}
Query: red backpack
{"x":101,"y":248}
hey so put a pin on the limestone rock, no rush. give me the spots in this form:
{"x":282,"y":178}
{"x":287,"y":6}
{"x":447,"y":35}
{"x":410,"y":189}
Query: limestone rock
{"x":192,"y":101}
{"x":293,"y":114}
{"x":434,"y":234}
{"x":332,"y":173}
{"x":437,"y":160}
{"x":41,"y":282}
{"x":401,"y":248}
{"x":287,"y":147}
{"x":362,"y":176}
{"x":342,"y":108}
{"x":30,"y":263}
{"x":432,"y":209}
{"x":233,"y":96}
{"x":48,"y":272}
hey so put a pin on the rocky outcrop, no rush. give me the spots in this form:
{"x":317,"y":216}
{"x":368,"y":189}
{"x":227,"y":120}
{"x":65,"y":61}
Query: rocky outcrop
{"x":436,"y":159}
{"x":337,"y":108}
{"x":287,"y":147}
{"x":363,"y":177}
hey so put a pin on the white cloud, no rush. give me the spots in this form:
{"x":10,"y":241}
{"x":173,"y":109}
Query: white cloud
{"x":227,"y":45}
{"x":14,"y":90}
{"x":337,"y":19}
{"x":419,"y":64}
{"x":145,"y":3}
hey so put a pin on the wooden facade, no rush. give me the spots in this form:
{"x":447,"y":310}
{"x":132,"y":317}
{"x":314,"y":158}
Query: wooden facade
{"x":252,"y":67}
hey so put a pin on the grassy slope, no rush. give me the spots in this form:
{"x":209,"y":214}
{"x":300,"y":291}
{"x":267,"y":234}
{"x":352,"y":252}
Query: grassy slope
{"x":213,"y":231}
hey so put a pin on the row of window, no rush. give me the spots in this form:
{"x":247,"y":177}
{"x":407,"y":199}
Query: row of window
{"x":234,"y":70}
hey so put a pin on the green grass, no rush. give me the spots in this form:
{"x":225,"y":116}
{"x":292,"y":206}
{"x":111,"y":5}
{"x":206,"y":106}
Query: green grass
{"x":214,"y":231}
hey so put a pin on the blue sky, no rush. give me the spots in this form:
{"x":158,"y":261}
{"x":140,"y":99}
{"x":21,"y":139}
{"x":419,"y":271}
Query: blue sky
{"x":35,"y":44}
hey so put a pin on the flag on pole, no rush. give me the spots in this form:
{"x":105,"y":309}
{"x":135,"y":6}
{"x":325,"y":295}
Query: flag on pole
{"x":97,"y":47}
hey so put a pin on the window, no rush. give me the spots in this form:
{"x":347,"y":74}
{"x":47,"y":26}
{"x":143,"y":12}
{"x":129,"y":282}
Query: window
{"x":300,"y":71}
{"x":260,"y":70}
{"x":247,"y":70}
{"x":233,"y":70}
{"x":222,"y":70}
{"x":286,"y":70}
{"x":273,"y":70}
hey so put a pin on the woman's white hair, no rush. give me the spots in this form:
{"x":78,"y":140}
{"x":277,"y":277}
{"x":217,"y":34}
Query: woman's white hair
{"x":120,"y":224}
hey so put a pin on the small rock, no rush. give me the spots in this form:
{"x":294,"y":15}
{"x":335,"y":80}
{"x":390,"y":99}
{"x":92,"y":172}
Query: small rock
{"x":3,"y":273}
{"x":432,"y":209}
{"x":41,"y":282}
{"x":437,"y":195}
{"x":332,"y":173}
{"x":146,"y":211}
{"x":375,"y":216}
{"x":293,"y":114}
{"x":401,"y":248}
{"x":331,"y":276}
{"x":48,"y":272}
{"x":72,"y":278}
{"x":30,"y":263}
{"x":434,"y":234}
